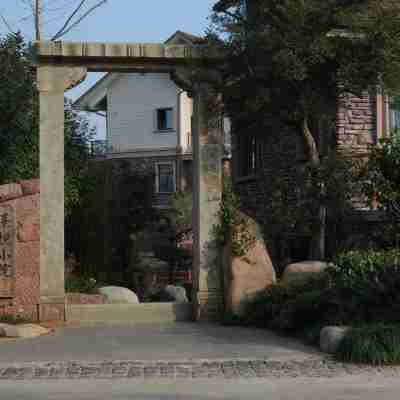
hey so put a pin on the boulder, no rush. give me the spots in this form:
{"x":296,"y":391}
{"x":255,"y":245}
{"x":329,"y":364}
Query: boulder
{"x":330,"y":338}
{"x":302,"y":271}
{"x":22,"y":331}
{"x":246,"y":276}
{"x":116,"y":294}
{"x":175,"y":294}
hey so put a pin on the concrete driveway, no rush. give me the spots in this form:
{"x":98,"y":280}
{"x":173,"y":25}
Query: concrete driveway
{"x":178,"y":341}
{"x":354,"y":388}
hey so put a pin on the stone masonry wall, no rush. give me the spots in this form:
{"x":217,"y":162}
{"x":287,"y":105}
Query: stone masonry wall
{"x":283,"y":154}
{"x":356,"y":123}
{"x":20,"y":202}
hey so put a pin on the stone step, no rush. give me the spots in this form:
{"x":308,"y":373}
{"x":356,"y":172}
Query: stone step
{"x":129,"y":313}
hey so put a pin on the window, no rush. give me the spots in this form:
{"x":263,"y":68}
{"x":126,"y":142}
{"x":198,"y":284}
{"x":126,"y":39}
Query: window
{"x":165,"y":177}
{"x":394,"y":114}
{"x":249,"y":155}
{"x":165,"y":119}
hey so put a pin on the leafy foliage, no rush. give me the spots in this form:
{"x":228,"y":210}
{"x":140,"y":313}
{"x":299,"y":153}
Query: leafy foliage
{"x":354,"y":269}
{"x":81,"y":284}
{"x":13,"y":319}
{"x":288,"y":61}
{"x":381,"y":179}
{"x":292,"y":308}
{"x":180,"y":215}
{"x":281,"y":58}
{"x":19,"y":124}
{"x":233,"y":226}
{"x":363,"y":287}
{"x":19,"y":141}
{"x":377,"y":344}
{"x":115,"y":209}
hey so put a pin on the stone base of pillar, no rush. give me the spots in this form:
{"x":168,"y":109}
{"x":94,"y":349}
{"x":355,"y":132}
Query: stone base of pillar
{"x":52,"y":309}
{"x":208,"y":305}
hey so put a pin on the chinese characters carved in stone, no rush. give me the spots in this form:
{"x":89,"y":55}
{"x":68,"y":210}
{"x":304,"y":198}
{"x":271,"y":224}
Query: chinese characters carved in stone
{"x":7,"y":250}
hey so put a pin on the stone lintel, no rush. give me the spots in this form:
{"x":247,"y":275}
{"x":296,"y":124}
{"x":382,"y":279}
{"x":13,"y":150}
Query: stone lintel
{"x":84,"y":54}
{"x":59,"y":79}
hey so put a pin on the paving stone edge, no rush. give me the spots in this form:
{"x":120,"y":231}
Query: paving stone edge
{"x":190,"y":369}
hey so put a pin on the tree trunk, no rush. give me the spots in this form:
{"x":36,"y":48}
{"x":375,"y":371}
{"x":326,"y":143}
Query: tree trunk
{"x":317,"y":245}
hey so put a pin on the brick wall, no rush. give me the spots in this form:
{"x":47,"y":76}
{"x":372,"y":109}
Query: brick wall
{"x":22,"y":200}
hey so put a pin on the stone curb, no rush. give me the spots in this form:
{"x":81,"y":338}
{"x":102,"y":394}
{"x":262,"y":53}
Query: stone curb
{"x":220,"y":369}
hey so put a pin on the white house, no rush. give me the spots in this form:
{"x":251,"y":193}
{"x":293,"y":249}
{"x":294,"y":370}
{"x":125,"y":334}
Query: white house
{"x":148,"y":120}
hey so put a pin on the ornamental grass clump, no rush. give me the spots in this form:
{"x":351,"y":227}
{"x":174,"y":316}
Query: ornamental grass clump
{"x":377,"y":344}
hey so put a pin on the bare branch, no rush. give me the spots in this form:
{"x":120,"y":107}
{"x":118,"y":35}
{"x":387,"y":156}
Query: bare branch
{"x":3,"y":18}
{"x":85,"y":15}
{"x":69,"y":19}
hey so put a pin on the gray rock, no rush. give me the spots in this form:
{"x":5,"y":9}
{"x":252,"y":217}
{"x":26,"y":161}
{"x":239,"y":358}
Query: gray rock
{"x":175,"y":293}
{"x":22,"y":331}
{"x":302,"y":271}
{"x":330,"y":338}
{"x":116,"y":294}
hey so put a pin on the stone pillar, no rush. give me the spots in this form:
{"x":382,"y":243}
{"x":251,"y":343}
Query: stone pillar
{"x":207,"y":191}
{"x":52,"y":83}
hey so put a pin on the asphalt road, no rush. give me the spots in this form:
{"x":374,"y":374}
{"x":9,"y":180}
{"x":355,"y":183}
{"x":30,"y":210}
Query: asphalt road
{"x":350,"y":388}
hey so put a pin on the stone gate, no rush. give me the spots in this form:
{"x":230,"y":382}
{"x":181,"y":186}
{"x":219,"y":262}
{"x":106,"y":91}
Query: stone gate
{"x":63,"y":65}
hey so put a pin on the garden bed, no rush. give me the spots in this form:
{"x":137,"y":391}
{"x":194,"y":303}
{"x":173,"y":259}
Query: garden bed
{"x":361,"y":291}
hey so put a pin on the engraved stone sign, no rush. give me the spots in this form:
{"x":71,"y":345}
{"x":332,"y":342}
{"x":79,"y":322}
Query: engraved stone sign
{"x":7,"y":251}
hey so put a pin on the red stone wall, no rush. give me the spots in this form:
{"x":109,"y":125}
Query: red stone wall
{"x":24,"y":198}
{"x":79,"y":298}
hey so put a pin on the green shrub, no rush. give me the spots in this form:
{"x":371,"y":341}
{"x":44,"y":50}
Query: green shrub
{"x":289,"y":308}
{"x":369,"y":281}
{"x":311,"y":333}
{"x":233,"y":226}
{"x":76,"y":284}
{"x":13,"y":319}
{"x":380,"y":299}
{"x":354,"y":268}
{"x":373,"y":344}
{"x":265,"y":307}
{"x":231,"y":319}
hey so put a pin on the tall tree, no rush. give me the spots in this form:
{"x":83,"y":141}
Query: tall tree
{"x":19,"y":136}
{"x":293,"y":59}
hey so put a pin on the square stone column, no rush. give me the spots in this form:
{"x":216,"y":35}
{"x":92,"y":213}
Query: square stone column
{"x":207,"y":194}
{"x":52,"y":83}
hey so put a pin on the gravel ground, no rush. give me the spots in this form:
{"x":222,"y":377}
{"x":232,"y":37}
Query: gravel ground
{"x":225,"y":369}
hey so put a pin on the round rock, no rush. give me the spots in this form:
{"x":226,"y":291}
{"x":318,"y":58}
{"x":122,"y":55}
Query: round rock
{"x":117,"y":294}
{"x":22,"y":331}
{"x":177,"y":294}
{"x":330,"y":338}
{"x":302,"y":271}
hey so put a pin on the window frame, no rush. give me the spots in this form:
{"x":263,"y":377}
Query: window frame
{"x":157,"y":128}
{"x":392,"y":118}
{"x":157,"y":176}
{"x":249,"y":160}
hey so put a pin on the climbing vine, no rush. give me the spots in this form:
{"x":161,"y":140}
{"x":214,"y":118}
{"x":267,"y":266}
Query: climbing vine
{"x":233,"y":226}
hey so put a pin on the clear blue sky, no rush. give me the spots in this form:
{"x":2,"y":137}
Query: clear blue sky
{"x":117,"y":21}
